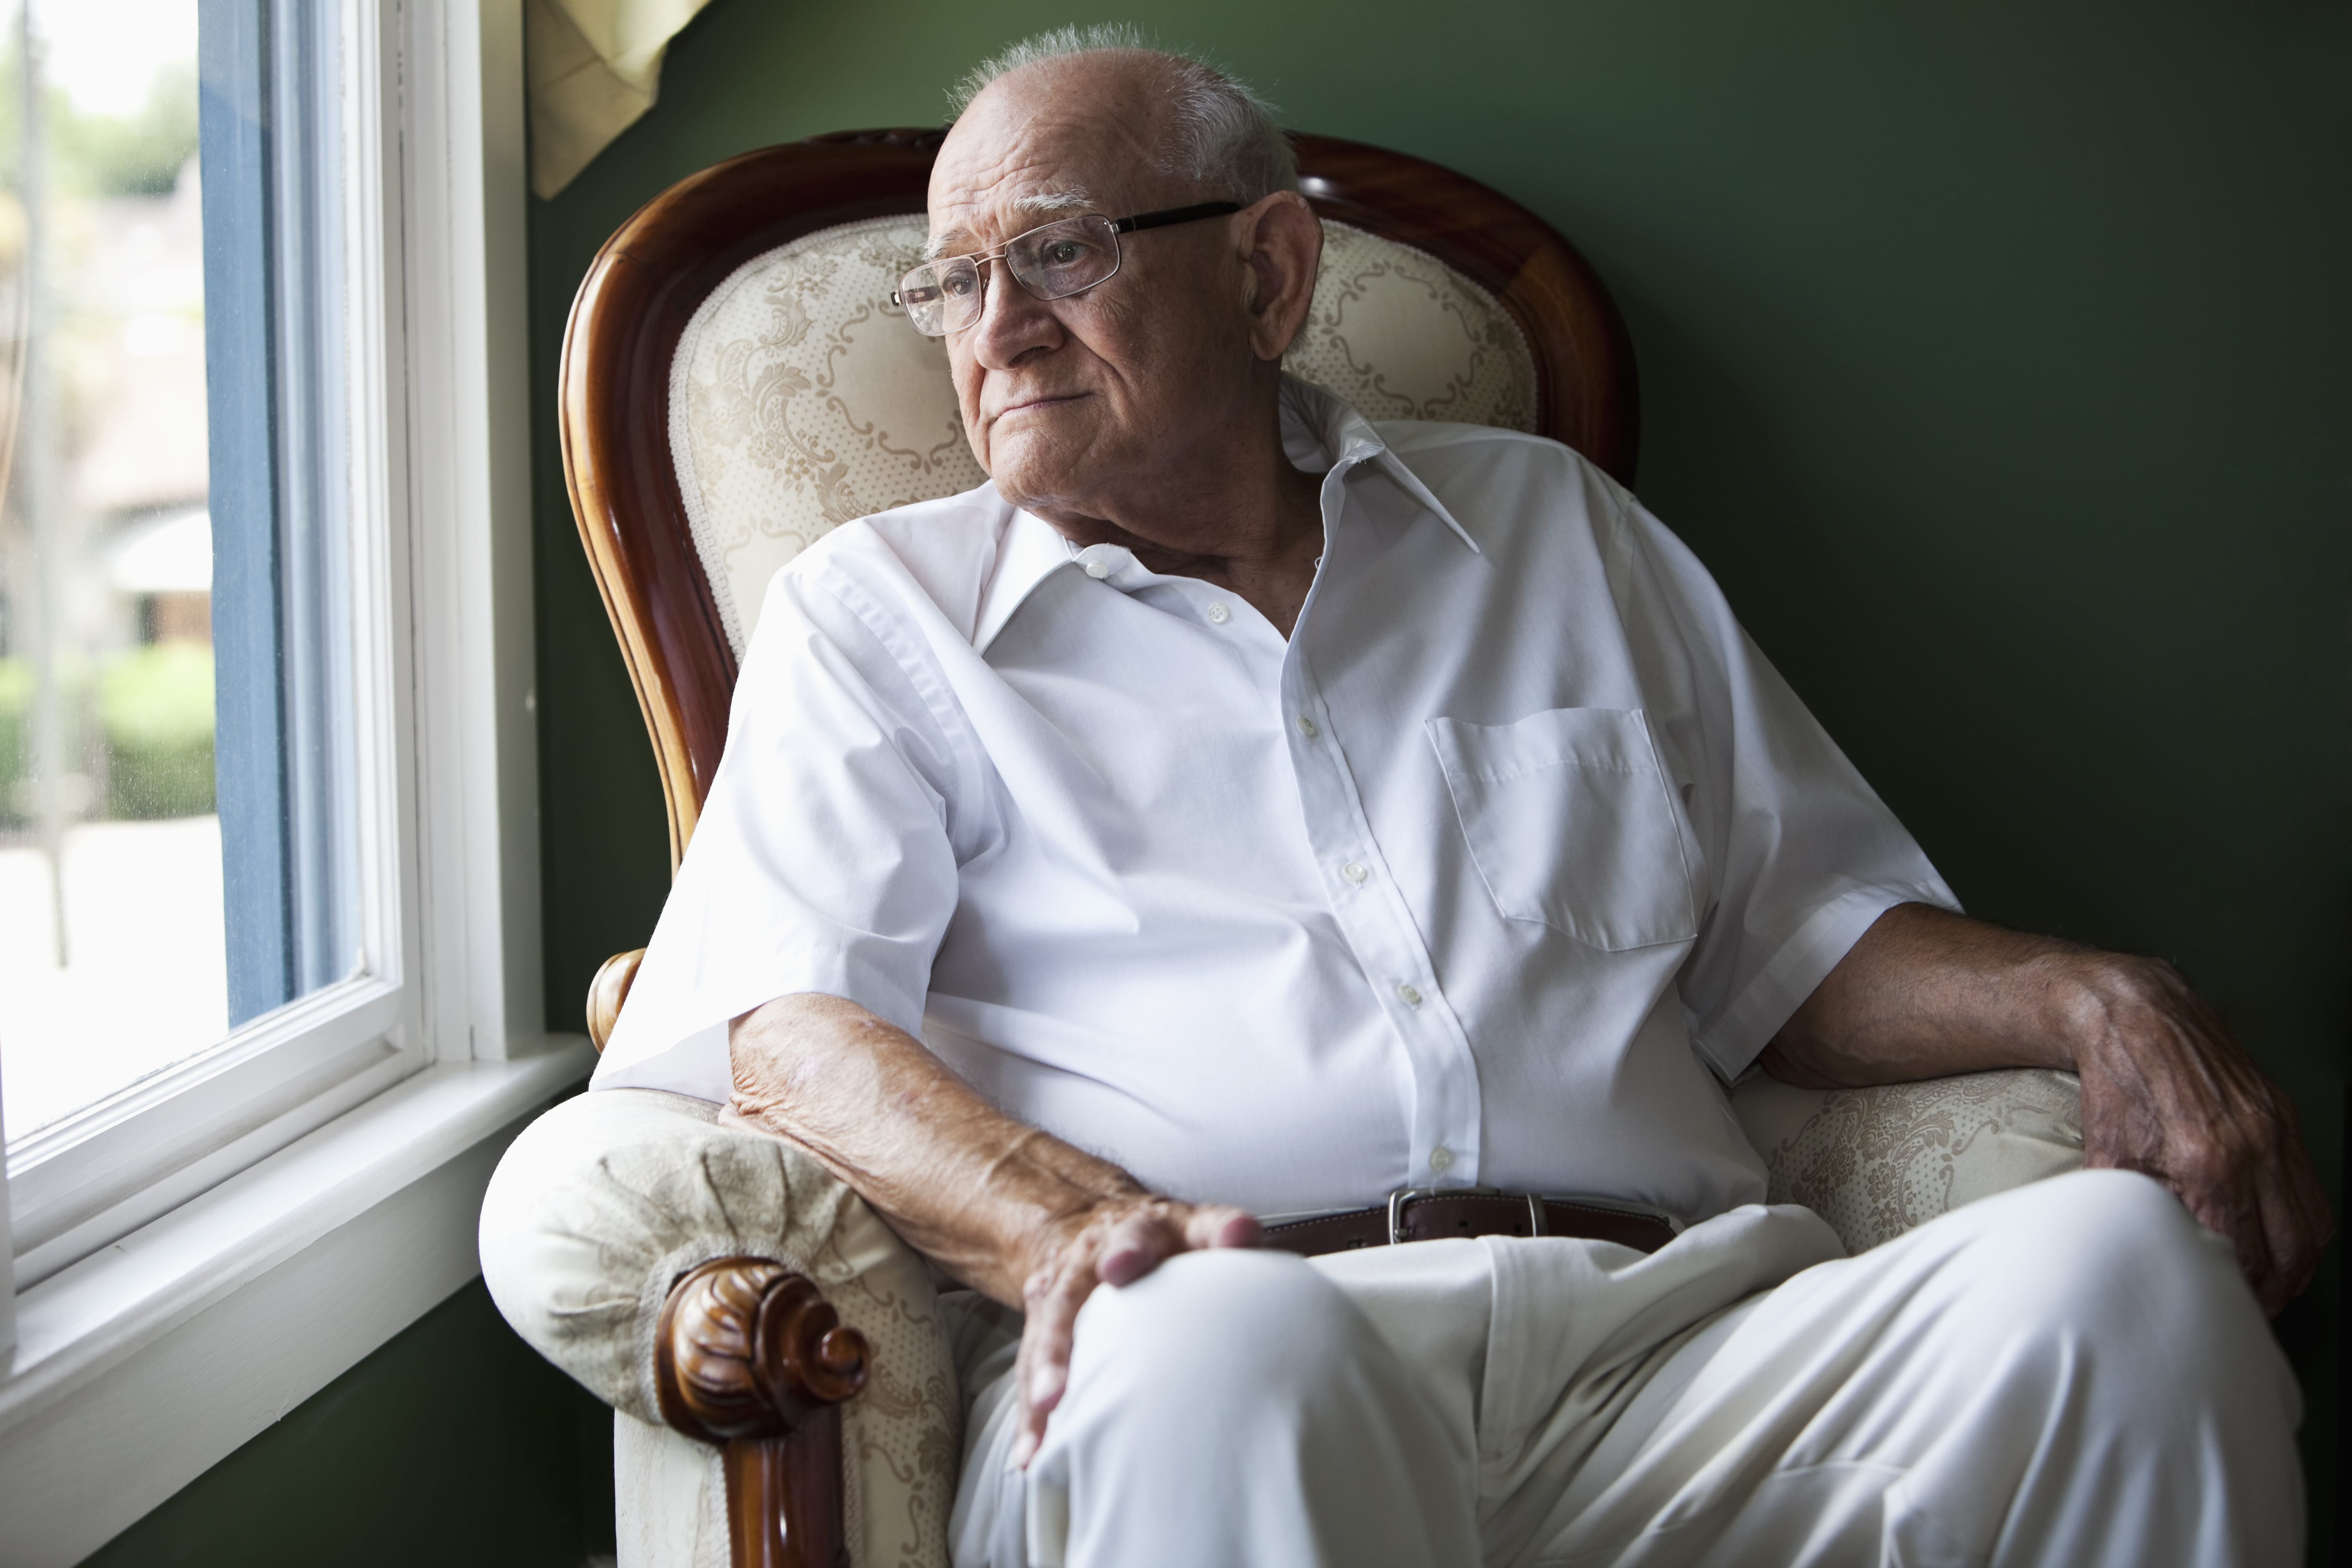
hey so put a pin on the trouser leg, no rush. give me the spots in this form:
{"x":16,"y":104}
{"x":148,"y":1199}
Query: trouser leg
{"x":2071,"y":1373}
{"x":1231,"y":1408}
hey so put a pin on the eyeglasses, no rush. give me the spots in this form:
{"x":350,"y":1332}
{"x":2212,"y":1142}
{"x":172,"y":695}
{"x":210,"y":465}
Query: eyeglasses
{"x":1051,"y":261}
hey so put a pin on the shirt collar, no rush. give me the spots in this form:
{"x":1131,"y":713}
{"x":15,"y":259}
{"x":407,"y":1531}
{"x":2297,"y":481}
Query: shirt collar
{"x":1320,"y":433}
{"x":1316,"y":424}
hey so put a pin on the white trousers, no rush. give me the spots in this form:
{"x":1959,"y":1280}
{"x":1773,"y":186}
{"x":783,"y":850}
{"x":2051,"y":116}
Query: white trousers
{"x":2072,"y":1373}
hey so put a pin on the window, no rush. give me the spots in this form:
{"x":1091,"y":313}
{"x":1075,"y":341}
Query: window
{"x":255,"y":1208}
{"x":198,"y":909}
{"x":108,"y":837}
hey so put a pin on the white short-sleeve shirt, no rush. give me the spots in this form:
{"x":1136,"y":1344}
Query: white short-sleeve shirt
{"x":1493,"y":872}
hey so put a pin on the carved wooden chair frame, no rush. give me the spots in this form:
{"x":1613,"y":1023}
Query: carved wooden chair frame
{"x":748,"y":1356}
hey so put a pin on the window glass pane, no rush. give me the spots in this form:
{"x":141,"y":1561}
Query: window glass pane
{"x":175,"y":817}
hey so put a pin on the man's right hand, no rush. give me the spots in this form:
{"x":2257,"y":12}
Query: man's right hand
{"x":1003,"y":1206}
{"x":1117,"y":1241}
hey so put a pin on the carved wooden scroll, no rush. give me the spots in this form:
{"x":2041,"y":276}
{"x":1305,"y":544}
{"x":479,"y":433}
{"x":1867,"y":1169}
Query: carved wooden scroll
{"x":748,"y":1356}
{"x":609,"y":990}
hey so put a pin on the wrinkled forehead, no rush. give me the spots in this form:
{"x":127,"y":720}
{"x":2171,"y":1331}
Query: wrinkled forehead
{"x":1020,"y":157}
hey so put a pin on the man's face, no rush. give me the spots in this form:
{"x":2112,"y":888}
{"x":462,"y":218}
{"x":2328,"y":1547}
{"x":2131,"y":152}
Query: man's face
{"x":1072,"y":404}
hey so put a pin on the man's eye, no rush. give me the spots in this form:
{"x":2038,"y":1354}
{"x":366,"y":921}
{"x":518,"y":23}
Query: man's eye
{"x":1063,"y":252}
{"x":957,"y":285}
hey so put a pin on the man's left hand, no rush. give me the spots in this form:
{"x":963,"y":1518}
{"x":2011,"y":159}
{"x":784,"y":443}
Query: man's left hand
{"x":2166,"y":1091}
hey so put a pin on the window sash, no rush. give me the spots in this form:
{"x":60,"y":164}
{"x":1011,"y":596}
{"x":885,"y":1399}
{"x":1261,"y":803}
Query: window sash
{"x":274,"y":358}
{"x":321,"y":862}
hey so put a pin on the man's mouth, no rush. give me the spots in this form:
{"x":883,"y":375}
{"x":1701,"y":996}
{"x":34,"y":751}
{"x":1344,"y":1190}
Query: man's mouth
{"x":1028,"y":404}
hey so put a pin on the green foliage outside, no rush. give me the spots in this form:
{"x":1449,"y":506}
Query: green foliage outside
{"x":15,"y":731}
{"x":155,"y":707}
{"x":103,"y":154}
{"x":16,"y":693}
{"x":141,"y":156}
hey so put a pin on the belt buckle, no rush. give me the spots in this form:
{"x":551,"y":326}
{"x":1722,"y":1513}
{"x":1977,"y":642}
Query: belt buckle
{"x":1403,"y":1195}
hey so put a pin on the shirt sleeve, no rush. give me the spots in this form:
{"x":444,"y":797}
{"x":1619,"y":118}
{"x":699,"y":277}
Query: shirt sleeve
{"x":822,"y":861}
{"x":1800,"y":854}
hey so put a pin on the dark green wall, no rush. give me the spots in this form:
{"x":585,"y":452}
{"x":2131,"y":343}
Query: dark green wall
{"x":454,"y":1443}
{"x":1993,"y":355}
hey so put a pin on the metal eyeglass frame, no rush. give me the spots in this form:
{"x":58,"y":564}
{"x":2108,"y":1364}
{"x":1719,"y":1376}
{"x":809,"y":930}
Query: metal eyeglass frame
{"x":1161,"y":219}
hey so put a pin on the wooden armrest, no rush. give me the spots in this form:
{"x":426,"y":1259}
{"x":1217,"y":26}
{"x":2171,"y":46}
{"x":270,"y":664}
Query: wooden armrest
{"x":609,"y":990}
{"x":748,"y":1356}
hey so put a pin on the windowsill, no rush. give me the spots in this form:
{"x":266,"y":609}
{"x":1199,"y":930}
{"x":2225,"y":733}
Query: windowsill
{"x":140,"y":1366}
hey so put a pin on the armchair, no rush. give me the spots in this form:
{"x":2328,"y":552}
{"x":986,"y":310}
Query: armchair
{"x":735,"y":383}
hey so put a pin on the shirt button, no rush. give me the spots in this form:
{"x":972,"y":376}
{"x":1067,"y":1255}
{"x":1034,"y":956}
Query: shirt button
{"x":1353,"y":872}
{"x":1412,"y":998}
{"x":1097,"y":569}
{"x":1306,"y":727}
{"x":1219,"y":614}
{"x":1441,"y":1159}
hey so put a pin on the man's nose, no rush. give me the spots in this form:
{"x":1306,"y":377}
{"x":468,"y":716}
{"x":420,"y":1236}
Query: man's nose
{"x":1012,"y":322}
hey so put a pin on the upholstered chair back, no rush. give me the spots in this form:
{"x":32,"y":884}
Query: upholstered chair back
{"x":800,"y":399}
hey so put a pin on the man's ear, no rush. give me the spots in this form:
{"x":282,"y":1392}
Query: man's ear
{"x":1282,"y":249}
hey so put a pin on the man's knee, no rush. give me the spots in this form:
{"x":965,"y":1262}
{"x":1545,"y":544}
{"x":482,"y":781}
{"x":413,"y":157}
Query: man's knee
{"x":2080,"y":1245}
{"x":2108,"y":1265}
{"x":1205,"y":1329}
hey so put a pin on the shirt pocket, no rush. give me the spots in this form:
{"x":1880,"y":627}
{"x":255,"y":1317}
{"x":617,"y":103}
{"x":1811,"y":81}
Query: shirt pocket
{"x":1572,"y":822}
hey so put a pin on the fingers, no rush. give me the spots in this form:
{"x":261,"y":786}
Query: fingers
{"x":1218,"y":1224}
{"x":2174,"y":1097}
{"x":2251,"y":1181}
{"x":1136,"y":1244}
{"x":2295,"y":1219}
{"x":1118,"y":1247}
{"x":2234,"y":1212}
{"x":1141,"y":1241}
{"x":1042,"y":1370}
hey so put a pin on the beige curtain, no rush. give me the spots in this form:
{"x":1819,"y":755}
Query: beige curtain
{"x":595,"y":66}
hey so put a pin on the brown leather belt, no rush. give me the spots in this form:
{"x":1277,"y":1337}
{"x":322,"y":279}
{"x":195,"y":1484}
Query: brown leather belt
{"x":1426,"y":1213}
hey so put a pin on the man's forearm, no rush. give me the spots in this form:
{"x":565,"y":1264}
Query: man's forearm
{"x":2166,"y":1090}
{"x":965,"y":1184}
{"x":1927,"y":992}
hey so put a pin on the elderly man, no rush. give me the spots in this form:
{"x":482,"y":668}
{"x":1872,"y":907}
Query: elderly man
{"x":1129,"y":874}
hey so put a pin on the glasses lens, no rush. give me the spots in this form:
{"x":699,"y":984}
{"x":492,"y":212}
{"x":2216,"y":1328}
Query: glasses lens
{"x":1066,"y":258}
{"x":940,"y":296}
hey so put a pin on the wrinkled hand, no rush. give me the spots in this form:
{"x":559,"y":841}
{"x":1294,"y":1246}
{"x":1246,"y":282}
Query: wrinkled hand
{"x":2166,"y":1092}
{"x":1116,"y":1242}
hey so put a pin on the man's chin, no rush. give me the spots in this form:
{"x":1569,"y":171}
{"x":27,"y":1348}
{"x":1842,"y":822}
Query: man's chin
{"x":1032,"y":474}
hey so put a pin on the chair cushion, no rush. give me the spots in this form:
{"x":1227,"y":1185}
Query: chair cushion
{"x":1874,"y":1163}
{"x":1395,"y":334}
{"x":800,"y":399}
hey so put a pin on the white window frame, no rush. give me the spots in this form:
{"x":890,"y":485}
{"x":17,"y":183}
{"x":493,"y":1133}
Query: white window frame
{"x":216,"y":1244}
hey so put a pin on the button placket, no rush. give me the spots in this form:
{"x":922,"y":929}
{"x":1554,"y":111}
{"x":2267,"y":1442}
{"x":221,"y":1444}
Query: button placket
{"x":1378,"y":926}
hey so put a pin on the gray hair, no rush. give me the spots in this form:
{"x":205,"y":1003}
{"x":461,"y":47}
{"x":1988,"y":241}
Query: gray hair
{"x":1225,"y":135}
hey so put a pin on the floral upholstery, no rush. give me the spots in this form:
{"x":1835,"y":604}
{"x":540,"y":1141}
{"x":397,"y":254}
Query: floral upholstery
{"x":800,"y":399}
{"x":1395,"y":334}
{"x":1876,"y":1161}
